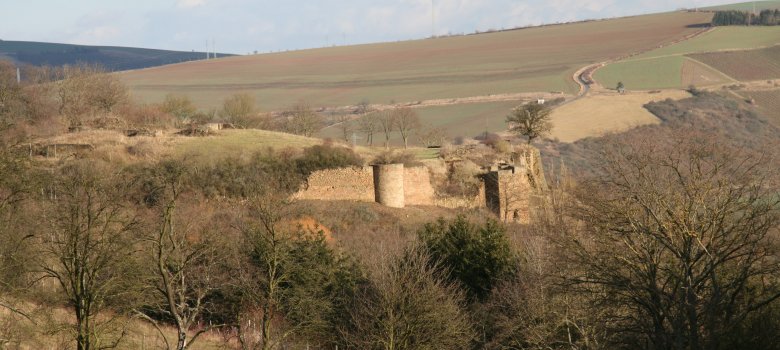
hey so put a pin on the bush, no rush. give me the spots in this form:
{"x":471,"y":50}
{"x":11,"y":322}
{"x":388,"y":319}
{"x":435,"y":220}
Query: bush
{"x":476,"y":257}
{"x":326,"y":156}
{"x":462,"y":180}
{"x":390,"y":157}
{"x":147,"y":116}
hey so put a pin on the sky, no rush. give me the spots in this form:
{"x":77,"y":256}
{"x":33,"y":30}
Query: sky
{"x":246,"y":26}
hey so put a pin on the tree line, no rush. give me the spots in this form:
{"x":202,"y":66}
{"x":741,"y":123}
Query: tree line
{"x":734,"y":17}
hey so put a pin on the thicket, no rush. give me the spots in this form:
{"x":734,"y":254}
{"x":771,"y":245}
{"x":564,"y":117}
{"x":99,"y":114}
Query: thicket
{"x":285,"y":169}
{"x":731,"y":18}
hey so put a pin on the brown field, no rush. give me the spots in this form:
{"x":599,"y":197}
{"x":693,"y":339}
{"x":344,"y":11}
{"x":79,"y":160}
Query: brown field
{"x":535,"y":59}
{"x":697,"y":74}
{"x":747,"y":65}
{"x":603,"y":113}
{"x":768,"y":103}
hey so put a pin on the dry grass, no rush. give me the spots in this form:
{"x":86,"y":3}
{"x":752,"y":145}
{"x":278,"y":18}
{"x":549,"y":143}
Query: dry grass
{"x":45,"y":331}
{"x":606,"y":112}
{"x":115,"y":147}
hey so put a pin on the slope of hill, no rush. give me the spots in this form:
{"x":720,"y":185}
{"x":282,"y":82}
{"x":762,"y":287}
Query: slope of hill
{"x":112,"y":57}
{"x":747,"y":6}
{"x":666,"y":67}
{"x":745,"y":65}
{"x":537,"y":59}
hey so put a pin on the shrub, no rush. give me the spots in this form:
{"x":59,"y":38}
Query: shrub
{"x":326,"y":156}
{"x":390,"y":157}
{"x":478,"y":257}
{"x":462,"y":180}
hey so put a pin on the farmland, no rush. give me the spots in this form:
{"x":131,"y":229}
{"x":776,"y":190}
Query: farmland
{"x":533,"y":59}
{"x":745,"y":65}
{"x":768,"y":103}
{"x":668,"y":67}
{"x":721,"y":38}
{"x":596,"y":115}
{"x":467,"y":120}
{"x":659,"y":73}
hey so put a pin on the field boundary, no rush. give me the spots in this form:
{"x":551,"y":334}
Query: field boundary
{"x":724,"y":75}
{"x":589,"y":71}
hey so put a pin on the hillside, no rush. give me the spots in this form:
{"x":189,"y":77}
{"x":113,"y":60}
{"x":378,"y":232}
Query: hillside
{"x":539,"y":59}
{"x":746,"y":6}
{"x":673,"y":66}
{"x":112,"y":57}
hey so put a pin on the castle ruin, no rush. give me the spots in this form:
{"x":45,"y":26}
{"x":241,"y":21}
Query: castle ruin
{"x":508,"y":189}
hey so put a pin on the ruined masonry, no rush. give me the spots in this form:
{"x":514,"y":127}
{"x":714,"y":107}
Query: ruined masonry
{"x":509,"y":189}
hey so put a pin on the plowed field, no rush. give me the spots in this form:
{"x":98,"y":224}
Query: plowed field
{"x":745,"y":65}
{"x":535,"y":59}
{"x":768,"y":103}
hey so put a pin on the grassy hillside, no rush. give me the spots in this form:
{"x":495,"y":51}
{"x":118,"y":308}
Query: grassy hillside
{"x":721,"y":38}
{"x":533,"y":59}
{"x":111,"y":57}
{"x":747,"y":6}
{"x":670,"y":72}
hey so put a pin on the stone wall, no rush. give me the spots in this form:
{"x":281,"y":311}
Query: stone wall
{"x":508,"y":192}
{"x":353,"y":184}
{"x":357,"y":184}
{"x":418,"y":188}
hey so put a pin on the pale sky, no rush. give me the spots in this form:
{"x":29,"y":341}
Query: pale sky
{"x":243,"y":26}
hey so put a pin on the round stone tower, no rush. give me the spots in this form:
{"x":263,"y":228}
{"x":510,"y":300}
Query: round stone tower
{"x":389,"y":185}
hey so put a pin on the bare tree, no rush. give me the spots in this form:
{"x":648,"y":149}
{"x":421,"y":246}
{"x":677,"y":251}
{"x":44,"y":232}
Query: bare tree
{"x":408,"y":306}
{"x":87,"y":250}
{"x":237,"y":109}
{"x":88,"y":89}
{"x":432,"y":137}
{"x":369,"y":125}
{"x":16,"y":232}
{"x":180,"y":106}
{"x":303,"y":121}
{"x":406,"y":121}
{"x":186,"y":264}
{"x":107,"y":91}
{"x":386,"y":124}
{"x":270,"y":245}
{"x":363,"y":107}
{"x":531,"y":120}
{"x":345,"y":124}
{"x":677,"y":242}
{"x":291,"y":282}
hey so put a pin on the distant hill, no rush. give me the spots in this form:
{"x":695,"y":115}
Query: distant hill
{"x":113,"y":58}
